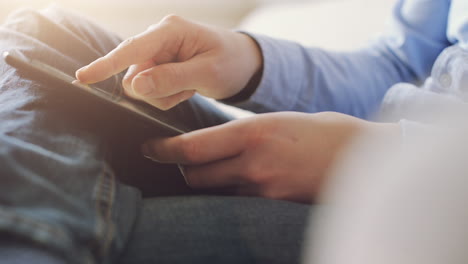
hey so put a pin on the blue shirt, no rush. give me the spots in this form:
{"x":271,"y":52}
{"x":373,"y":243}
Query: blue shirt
{"x":298,"y":78}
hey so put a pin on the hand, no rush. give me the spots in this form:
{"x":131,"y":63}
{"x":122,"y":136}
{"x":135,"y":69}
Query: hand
{"x":172,"y":60}
{"x":279,"y":155}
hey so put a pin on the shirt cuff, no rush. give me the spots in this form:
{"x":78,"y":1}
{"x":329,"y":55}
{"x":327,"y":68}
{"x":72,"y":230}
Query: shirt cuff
{"x":281,"y":81}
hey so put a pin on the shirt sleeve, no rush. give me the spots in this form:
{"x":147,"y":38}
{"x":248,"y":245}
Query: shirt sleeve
{"x":297,"y":78}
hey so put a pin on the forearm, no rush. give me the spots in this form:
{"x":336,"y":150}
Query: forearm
{"x":311,"y":79}
{"x":296,"y":78}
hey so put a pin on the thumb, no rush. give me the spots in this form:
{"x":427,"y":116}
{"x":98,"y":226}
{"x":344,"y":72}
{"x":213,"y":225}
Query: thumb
{"x":165,"y":80}
{"x":201,"y":146}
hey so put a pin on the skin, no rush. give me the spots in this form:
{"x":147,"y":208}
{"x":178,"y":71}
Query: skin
{"x":278,"y":155}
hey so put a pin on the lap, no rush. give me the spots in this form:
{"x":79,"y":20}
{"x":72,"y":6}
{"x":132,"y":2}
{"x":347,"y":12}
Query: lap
{"x":212,"y":229}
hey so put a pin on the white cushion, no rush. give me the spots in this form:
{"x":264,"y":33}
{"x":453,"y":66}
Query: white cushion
{"x":339,"y":24}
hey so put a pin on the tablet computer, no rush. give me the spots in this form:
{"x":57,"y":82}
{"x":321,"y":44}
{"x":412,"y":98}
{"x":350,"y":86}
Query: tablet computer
{"x":149,"y":115}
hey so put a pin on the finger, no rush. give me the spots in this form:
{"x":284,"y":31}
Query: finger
{"x":224,"y":173}
{"x":171,"y":78}
{"x":134,"y":50}
{"x":171,"y":101}
{"x":201,"y":146}
{"x":132,"y":71}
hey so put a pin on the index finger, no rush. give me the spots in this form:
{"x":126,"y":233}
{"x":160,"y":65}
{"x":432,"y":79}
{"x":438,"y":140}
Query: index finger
{"x":201,"y":146}
{"x":134,"y":50}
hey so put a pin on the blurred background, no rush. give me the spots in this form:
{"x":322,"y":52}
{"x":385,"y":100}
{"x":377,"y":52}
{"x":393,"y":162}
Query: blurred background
{"x":336,"y":24}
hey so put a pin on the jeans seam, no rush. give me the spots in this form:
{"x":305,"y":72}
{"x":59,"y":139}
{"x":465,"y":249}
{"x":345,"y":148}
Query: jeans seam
{"x":104,"y":197}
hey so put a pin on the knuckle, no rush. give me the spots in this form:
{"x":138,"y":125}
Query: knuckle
{"x":254,"y":174}
{"x":128,"y":43}
{"x":127,"y":48}
{"x":131,"y":46}
{"x":172,"y":18}
{"x":151,"y":27}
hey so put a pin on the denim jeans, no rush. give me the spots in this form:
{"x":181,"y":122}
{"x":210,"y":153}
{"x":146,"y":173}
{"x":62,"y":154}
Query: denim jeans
{"x":73,"y":181}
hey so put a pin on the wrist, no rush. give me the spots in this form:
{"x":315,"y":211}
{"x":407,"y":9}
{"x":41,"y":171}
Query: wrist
{"x":252,"y":54}
{"x":252,"y":65}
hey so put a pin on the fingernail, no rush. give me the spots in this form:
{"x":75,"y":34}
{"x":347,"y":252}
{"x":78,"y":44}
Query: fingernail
{"x":147,"y":153}
{"x":143,"y":85}
{"x":182,"y":171}
{"x":152,"y":159}
{"x":82,"y":69}
{"x":126,"y":83}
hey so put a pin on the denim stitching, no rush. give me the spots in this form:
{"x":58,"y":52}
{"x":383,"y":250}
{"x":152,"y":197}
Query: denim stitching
{"x":104,"y":197}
